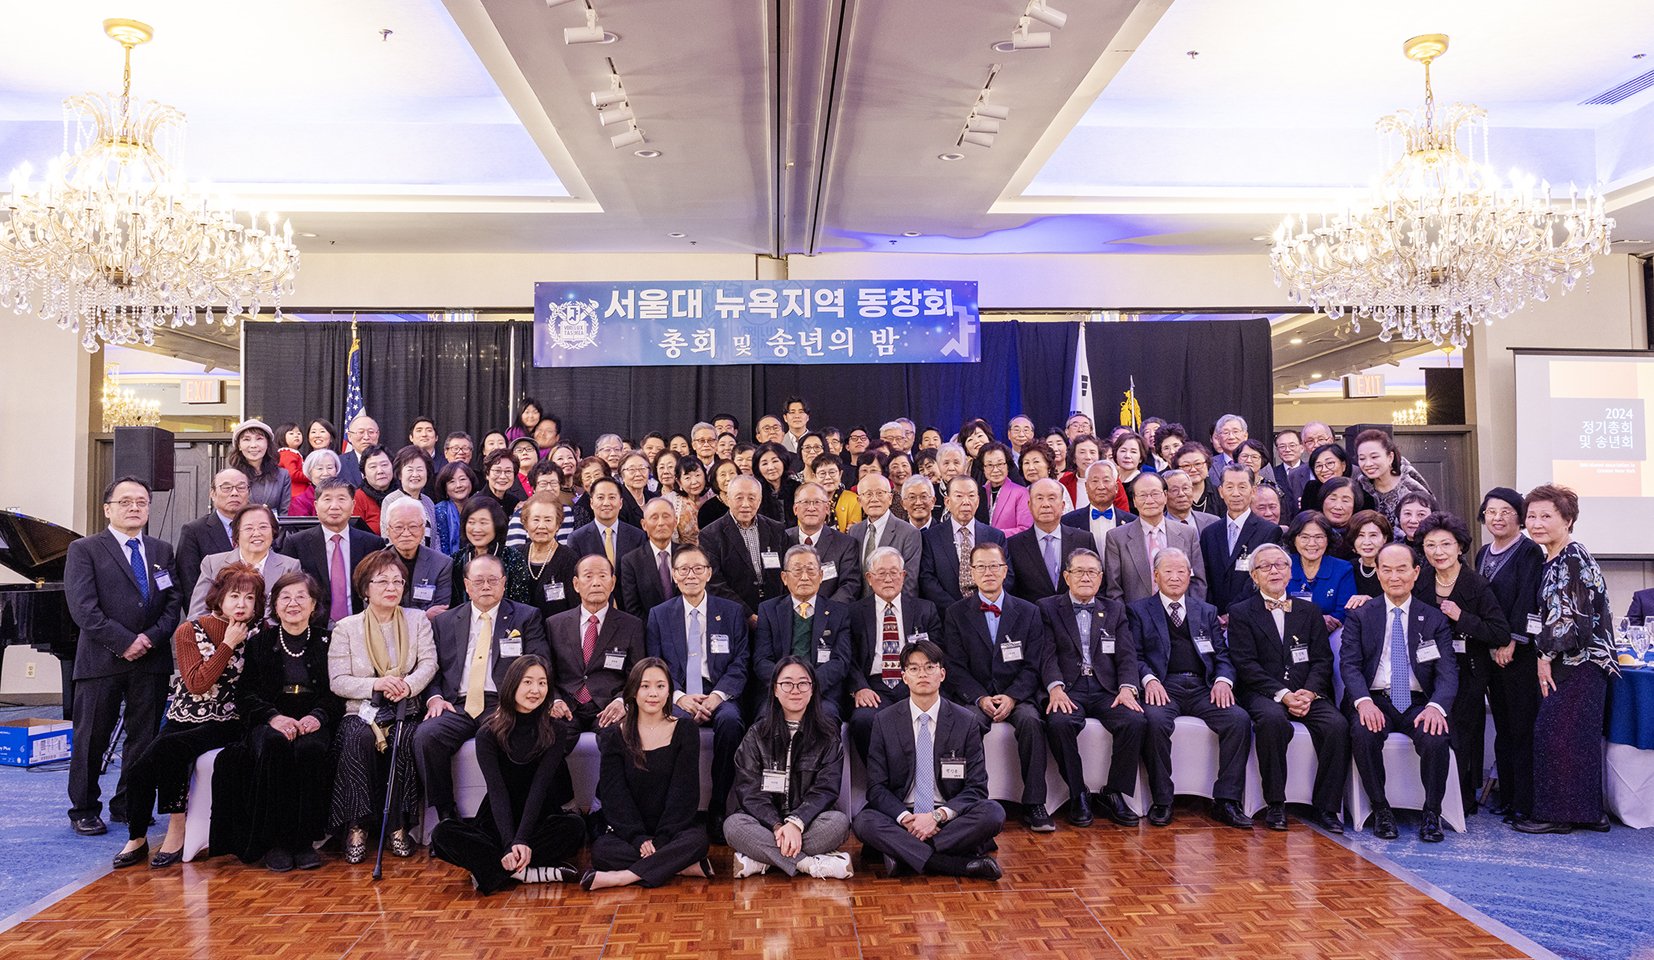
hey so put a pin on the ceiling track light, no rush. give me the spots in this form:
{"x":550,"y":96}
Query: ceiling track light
{"x":557,"y":3}
{"x":996,"y":111}
{"x":629,"y":137}
{"x":978,"y":139}
{"x":1046,"y":15}
{"x":609,"y":116}
{"x":611,"y":96}
{"x":978,"y":124}
{"x":591,"y":32}
{"x":1021,"y":39}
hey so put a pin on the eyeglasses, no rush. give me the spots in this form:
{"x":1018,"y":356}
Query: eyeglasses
{"x":793,"y":686}
{"x":382,"y":582}
{"x":803,"y":571}
{"x":231,"y":488}
{"x":1312,"y":538}
{"x":988,"y":567}
{"x":404,"y":527}
{"x":1085,"y":574}
{"x":485,"y":581}
{"x":1275,"y":565}
{"x":693,"y":569}
{"x":128,"y":503}
{"x":810,"y":503}
{"x":922,"y":668}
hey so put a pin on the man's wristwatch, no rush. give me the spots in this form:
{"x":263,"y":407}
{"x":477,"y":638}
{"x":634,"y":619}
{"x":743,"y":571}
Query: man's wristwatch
{"x":941,"y":815}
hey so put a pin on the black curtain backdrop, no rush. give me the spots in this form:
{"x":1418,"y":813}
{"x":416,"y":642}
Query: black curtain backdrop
{"x":1187,"y":371}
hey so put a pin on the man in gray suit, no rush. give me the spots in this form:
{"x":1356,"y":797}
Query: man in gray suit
{"x":887,"y":530}
{"x":430,"y":573}
{"x":254,"y":532}
{"x":1127,"y":562}
{"x":1180,"y":502}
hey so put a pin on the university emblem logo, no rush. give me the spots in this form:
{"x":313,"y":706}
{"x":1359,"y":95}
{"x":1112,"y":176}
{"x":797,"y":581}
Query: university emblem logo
{"x":572,"y":324}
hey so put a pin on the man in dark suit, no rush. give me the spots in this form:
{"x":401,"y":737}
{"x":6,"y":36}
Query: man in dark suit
{"x":1039,"y":553}
{"x":1400,"y":676}
{"x":840,"y":559}
{"x":646,"y":572}
{"x":943,"y":578}
{"x":881,"y":528}
{"x":593,"y":648}
{"x":1227,"y":545}
{"x":362,"y":435}
{"x":803,"y":623}
{"x":745,"y":549}
{"x":1183,"y":664}
{"x":1127,"y":573}
{"x":329,"y":552}
{"x":430,"y":572}
{"x":703,"y":640}
{"x":999,"y":645}
{"x":476,"y":643}
{"x":927,"y":808}
{"x":1283,"y":663}
{"x":120,"y":590}
{"x":210,"y":534}
{"x":1091,"y":671}
{"x":881,"y":624}
{"x":1180,"y":501}
{"x":1098,"y":516}
{"x":606,"y":536}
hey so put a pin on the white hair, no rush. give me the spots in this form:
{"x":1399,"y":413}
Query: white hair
{"x":401,"y":504}
{"x":918,"y":479}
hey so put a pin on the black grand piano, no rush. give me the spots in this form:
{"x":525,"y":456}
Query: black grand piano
{"x":37,"y":612}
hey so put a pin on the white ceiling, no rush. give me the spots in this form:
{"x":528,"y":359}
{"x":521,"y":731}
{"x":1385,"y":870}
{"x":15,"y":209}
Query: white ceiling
{"x":804,"y":127}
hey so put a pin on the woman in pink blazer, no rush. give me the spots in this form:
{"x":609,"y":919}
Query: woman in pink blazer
{"x":1008,"y":501}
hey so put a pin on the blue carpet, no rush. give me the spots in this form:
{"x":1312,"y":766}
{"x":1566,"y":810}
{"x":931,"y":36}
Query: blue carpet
{"x":39,"y":854}
{"x":1584,"y":896}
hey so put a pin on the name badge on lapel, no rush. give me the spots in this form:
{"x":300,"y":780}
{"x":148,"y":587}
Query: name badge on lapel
{"x":719,"y":643}
{"x":1203,"y":644}
{"x":829,"y":571}
{"x":1106,"y":643}
{"x":163,"y":580}
{"x":916,"y":637}
{"x":1243,"y":563}
{"x":423,"y":592}
{"x":953,"y":768}
{"x":1011,"y":651}
{"x":824,"y":654}
{"x":1300,"y":651}
{"x":554,"y":591}
{"x":1534,"y":624}
{"x":511,"y":645}
{"x":775,"y":781}
{"x":1458,"y":644}
{"x":1428,"y":653}
{"x":771,"y":560}
{"x":614,"y":660}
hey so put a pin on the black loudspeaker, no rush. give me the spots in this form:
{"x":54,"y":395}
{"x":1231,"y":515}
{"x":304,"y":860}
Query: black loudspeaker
{"x":145,"y":453}
{"x":1355,"y":430}
{"x":1444,"y":394}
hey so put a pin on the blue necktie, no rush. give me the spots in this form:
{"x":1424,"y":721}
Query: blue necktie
{"x":1401,"y":672}
{"x":138,"y":570}
{"x":924,"y":769}
{"x":692,"y":670}
{"x":1050,"y":551}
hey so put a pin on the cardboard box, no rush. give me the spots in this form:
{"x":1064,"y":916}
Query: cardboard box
{"x":32,"y":741}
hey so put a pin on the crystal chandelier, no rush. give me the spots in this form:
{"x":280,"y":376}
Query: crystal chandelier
{"x":113,"y":244}
{"x":1440,"y":244}
{"x":122,"y":408}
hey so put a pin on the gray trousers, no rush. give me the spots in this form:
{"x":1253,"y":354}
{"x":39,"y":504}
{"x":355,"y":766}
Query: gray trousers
{"x":825,"y":834}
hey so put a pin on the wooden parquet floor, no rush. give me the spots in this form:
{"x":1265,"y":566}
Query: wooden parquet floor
{"x":1192,"y":890}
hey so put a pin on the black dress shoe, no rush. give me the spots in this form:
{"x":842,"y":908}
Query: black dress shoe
{"x":132,"y":857}
{"x":1114,"y":805}
{"x":586,"y":879}
{"x":1230,"y":814}
{"x":306,"y":858}
{"x":1602,"y":825}
{"x":1542,"y":826}
{"x":1039,"y":819}
{"x":1275,"y":817}
{"x":1160,"y":814}
{"x":117,"y":816}
{"x":1430,"y":831}
{"x":92,"y":826}
{"x":164,"y":858}
{"x":895,"y":868}
{"x":1330,"y":821}
{"x":278,"y":860}
{"x":983,"y":868}
{"x":1384,"y":824}
{"x":1079,"y":810}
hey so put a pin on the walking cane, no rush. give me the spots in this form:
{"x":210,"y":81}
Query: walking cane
{"x":390,"y":785}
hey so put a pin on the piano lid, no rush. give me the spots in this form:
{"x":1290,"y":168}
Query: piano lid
{"x":32,"y":548}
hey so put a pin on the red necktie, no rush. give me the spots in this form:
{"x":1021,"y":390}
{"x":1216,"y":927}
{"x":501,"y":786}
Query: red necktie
{"x":339,"y":581}
{"x":588,"y":644}
{"x":890,"y":657}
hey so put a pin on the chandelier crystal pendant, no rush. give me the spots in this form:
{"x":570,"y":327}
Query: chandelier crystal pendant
{"x":1441,"y":244}
{"x":113,"y":243}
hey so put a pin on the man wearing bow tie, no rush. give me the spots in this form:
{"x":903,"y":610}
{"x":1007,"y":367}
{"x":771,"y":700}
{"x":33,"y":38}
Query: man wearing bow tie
{"x":996,"y":646}
{"x":1100,"y":515}
{"x":1283,"y":663}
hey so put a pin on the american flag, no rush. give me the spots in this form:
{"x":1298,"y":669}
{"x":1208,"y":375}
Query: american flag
{"x":354,"y":406}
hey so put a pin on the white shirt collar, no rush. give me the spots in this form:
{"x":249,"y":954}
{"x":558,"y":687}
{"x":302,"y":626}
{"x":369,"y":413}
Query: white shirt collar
{"x":997,"y":600}
{"x":1239,"y":521}
{"x":701,"y":607}
{"x":1166,"y":602}
{"x":122,"y":538}
{"x":1406,"y":607}
{"x":813,"y":600}
{"x":935,"y":713}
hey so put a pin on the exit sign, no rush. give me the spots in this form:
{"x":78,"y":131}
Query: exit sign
{"x":1362,"y":385}
{"x":202,"y":391}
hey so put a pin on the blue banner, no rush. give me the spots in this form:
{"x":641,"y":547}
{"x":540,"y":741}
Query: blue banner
{"x":678,"y":323}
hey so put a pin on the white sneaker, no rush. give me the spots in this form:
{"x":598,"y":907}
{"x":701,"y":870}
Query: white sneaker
{"x":547,"y":875}
{"x":745,"y":866}
{"x":828,"y":866}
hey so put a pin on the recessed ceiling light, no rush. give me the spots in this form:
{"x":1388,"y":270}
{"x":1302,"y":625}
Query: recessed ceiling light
{"x":311,"y":235}
{"x":1315,"y":375}
{"x":950,"y":157}
{"x":911,"y":233}
{"x":1638,"y":56}
{"x":646,"y":154}
{"x":1295,"y":341}
{"x":676,"y":235}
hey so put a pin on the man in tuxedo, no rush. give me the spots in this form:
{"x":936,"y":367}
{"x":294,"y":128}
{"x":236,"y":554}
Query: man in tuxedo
{"x":881,"y":624}
{"x":703,"y":640}
{"x":1283,"y":663}
{"x":1039,"y":553}
{"x":1400,"y":676}
{"x":1184,"y":668}
{"x":1180,"y":502}
{"x":476,"y":643}
{"x":1099,"y":515}
{"x":210,"y":534}
{"x":927,"y":808}
{"x":1227,"y":547}
{"x":121,"y":595}
{"x":1091,"y":671}
{"x":593,"y":648}
{"x":999,"y":646}
{"x":840,"y":560}
{"x":646,"y":579}
{"x":919,"y":503}
{"x":1129,"y":551}
{"x":606,"y":535}
{"x":802,"y":623}
{"x":944,"y":562}
{"x":430,"y":573}
{"x":330,"y":551}
{"x":362,"y":433}
{"x":881,"y":528}
{"x":745,"y":549}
